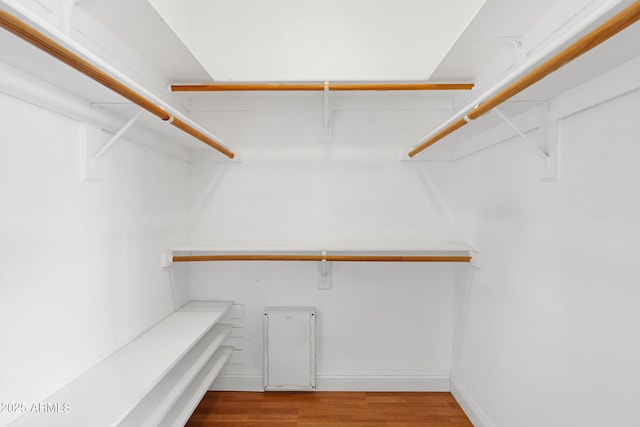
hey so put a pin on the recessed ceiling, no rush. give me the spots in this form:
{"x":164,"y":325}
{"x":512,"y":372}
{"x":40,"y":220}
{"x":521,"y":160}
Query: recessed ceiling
{"x":313,"y":40}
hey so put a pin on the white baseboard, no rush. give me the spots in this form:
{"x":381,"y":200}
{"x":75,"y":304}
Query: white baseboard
{"x":345,"y":381}
{"x":239,"y":381}
{"x":384,"y":381}
{"x":469,"y":404}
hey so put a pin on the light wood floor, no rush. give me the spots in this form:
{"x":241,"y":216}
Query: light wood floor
{"x":324,"y":409}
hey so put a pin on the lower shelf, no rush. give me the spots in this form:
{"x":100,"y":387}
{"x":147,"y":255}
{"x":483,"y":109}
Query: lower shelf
{"x":184,"y":407}
{"x":154,"y":379}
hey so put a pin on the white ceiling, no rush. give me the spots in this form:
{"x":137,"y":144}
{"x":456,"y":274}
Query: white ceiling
{"x":139,"y":26}
{"x":273,"y":39}
{"x":313,"y":40}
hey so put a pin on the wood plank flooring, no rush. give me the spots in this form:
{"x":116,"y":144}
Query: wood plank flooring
{"x":324,"y":409}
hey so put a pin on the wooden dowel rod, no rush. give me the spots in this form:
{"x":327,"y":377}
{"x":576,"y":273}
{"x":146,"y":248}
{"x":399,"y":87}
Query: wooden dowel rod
{"x":39,"y":40}
{"x":236,"y":87}
{"x":398,"y":258}
{"x":611,"y":27}
{"x":437,"y":137}
{"x":240,"y":87}
{"x":46,"y":44}
{"x":202,"y":137}
{"x":338,"y":258}
{"x":401,"y":86}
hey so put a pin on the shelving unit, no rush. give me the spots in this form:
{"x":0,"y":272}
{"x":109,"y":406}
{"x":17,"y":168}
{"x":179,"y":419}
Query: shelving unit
{"x":33,"y":45}
{"x":319,"y":251}
{"x":323,"y":254}
{"x":158,"y":378}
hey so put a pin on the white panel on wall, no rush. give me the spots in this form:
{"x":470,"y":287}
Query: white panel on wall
{"x":289,"y":348}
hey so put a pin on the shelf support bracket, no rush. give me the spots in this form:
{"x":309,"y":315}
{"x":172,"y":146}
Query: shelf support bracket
{"x":106,"y":147}
{"x":549,"y":135}
{"x":324,"y":273}
{"x":524,"y":136}
{"x":516,"y":43}
{"x":67,"y":16}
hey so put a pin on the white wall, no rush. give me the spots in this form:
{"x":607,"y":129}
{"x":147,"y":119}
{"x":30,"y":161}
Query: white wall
{"x":547,"y":327}
{"x":289,"y":186}
{"x":80,"y":268}
{"x":381,"y":326}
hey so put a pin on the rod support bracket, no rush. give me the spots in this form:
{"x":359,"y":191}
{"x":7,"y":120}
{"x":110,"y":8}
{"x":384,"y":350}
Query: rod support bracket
{"x":324,"y":273}
{"x":326,"y":116}
{"x":166,"y":259}
{"x":476,"y":258}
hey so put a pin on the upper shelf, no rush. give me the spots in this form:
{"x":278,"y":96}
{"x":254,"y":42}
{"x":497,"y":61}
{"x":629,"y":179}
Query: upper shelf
{"x":281,"y":246}
{"x":593,"y":48}
{"x":40,"y":49}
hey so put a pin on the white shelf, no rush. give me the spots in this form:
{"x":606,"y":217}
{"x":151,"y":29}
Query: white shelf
{"x":151,"y":410}
{"x":23,"y":56}
{"x":189,"y":400}
{"x":365,"y":247}
{"x":138,"y":384}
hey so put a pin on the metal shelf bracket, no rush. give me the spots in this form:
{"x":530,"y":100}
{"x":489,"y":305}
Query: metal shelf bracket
{"x":106,"y":147}
{"x":549,"y":141}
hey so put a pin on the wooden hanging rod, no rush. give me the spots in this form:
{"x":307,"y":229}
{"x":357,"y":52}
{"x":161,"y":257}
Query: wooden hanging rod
{"x":238,"y":87}
{"x":39,"y":40}
{"x":351,"y":258}
{"x":602,"y":33}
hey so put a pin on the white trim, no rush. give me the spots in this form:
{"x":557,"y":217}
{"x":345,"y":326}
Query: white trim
{"x":238,"y":381}
{"x":433,"y":381}
{"x":384,"y":381}
{"x":469,"y":405}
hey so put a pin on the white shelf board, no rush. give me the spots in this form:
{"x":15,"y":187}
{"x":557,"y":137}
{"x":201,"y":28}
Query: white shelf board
{"x":103,"y":395}
{"x":184,"y":407}
{"x":368,"y":247}
{"x":157,"y":403}
{"x":221,"y":306}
